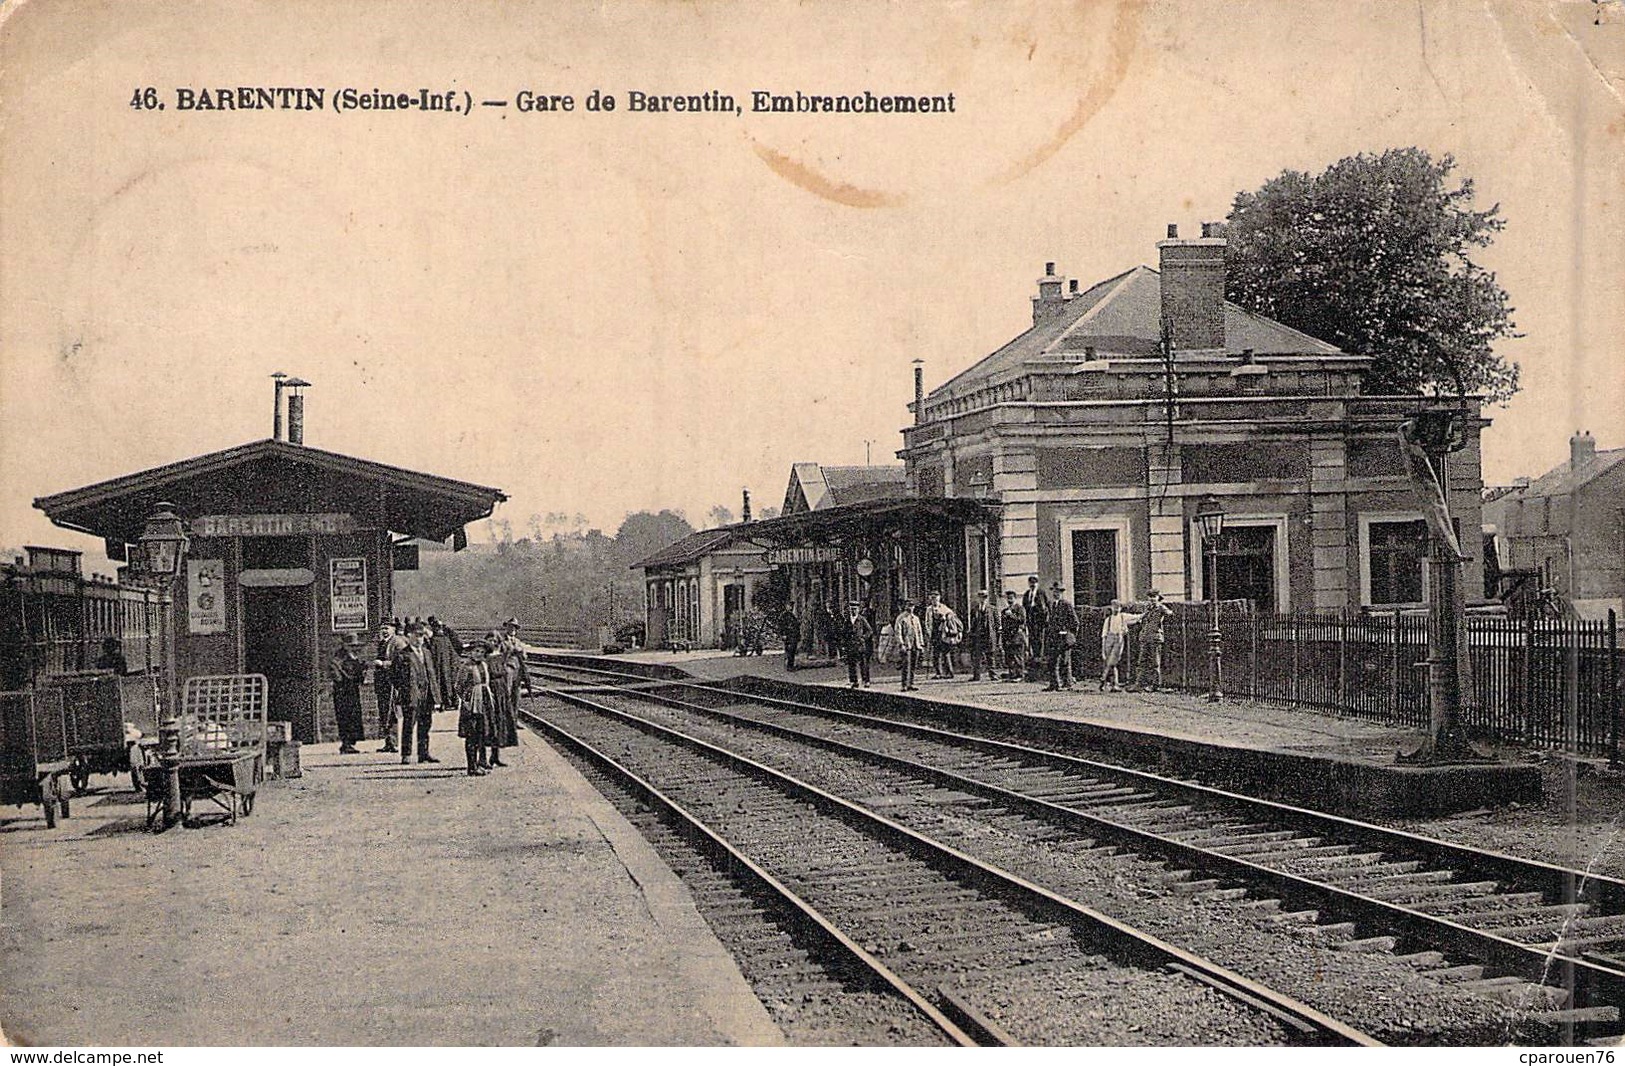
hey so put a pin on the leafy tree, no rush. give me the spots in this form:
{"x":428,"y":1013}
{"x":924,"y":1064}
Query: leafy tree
{"x":643,"y":533}
{"x":1374,"y":255}
{"x":720,"y":515}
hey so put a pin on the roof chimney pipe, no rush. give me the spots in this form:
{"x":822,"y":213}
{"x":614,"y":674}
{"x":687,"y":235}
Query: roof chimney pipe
{"x":296,"y":409}
{"x":919,"y":391}
{"x":276,"y":406}
{"x":1192,"y":284}
{"x":744,"y":509}
{"x":1582,"y":448}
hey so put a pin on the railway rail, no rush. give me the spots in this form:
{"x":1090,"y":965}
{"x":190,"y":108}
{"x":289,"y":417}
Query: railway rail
{"x":985,"y":955}
{"x":1537,"y":935}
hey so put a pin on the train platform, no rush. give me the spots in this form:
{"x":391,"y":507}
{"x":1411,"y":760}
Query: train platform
{"x":1340,"y":764}
{"x":363,"y":903}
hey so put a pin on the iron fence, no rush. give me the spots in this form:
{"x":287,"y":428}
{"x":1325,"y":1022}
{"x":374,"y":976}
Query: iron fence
{"x":1550,"y":683}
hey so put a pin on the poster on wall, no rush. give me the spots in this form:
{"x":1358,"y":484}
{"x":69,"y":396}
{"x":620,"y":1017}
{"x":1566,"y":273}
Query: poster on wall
{"x":205,"y":596}
{"x":347,"y":583}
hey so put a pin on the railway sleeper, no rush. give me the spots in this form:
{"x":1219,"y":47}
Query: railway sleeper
{"x":1371,"y":945}
{"x":1403,"y":893}
{"x":1423,"y":960}
{"x":1222,"y":840}
{"x":1394,"y":875}
{"x":1280,"y":845}
{"x":960,"y":902}
{"x":1500,"y":905}
{"x":1453,"y":975}
{"x":1331,"y":864}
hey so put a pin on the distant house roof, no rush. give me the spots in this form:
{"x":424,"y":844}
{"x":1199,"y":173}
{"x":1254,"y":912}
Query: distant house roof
{"x":1123,"y":316}
{"x":278,"y":476}
{"x":1564,"y":479}
{"x":814,"y":487}
{"x":696,"y":545}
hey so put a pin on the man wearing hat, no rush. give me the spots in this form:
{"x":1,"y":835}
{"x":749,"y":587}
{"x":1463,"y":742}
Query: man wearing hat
{"x":1036,"y":607}
{"x":1060,"y":637}
{"x":857,"y":636}
{"x":515,"y":671}
{"x":982,"y":634}
{"x":346,"y":672}
{"x":1013,"y":630}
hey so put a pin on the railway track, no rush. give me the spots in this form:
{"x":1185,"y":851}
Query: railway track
{"x":984,"y":955}
{"x":1539,"y":937}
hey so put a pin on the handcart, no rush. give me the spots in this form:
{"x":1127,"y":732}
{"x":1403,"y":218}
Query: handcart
{"x":221,"y":757}
{"x":96,"y":709}
{"x":34,"y":754}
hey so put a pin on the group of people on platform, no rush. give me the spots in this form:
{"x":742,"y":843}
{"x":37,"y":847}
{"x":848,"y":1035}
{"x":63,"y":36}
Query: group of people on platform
{"x":421,"y":667}
{"x":1033,"y":636}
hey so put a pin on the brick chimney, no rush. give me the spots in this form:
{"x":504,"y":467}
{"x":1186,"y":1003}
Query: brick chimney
{"x":1052,"y":295}
{"x":1193,"y":287}
{"x":1582,"y":448}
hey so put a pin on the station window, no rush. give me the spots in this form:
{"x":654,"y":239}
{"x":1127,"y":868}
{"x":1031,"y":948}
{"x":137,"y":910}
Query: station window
{"x":1394,"y":552}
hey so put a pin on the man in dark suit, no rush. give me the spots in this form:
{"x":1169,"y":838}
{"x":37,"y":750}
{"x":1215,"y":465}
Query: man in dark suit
{"x":417,"y":691}
{"x":1036,"y":606}
{"x":856,"y":636}
{"x":390,"y":645}
{"x":982,"y":634}
{"x":1060,"y":637}
{"x":790,"y":630}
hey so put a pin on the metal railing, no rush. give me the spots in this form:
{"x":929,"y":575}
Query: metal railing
{"x":1549,"y":683}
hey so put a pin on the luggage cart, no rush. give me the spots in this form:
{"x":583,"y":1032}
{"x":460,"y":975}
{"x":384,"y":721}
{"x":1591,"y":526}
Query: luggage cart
{"x":221,"y":756}
{"x":94,"y":716}
{"x":34,"y":755}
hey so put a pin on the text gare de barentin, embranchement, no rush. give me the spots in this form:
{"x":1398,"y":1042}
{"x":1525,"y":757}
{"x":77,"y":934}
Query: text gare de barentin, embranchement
{"x":309,"y":98}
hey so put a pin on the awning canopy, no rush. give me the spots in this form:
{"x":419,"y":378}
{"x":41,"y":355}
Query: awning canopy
{"x":837,"y":523}
{"x":274,"y":476}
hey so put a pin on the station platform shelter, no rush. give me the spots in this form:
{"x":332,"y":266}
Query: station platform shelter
{"x":289,"y":550}
{"x":882,"y":553}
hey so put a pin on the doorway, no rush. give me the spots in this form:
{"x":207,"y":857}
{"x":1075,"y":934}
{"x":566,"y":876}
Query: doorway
{"x":276,"y":643}
{"x":733,"y":613}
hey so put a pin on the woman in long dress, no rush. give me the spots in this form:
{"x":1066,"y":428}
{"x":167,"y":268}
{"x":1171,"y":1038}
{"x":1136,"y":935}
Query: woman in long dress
{"x":502,"y":731}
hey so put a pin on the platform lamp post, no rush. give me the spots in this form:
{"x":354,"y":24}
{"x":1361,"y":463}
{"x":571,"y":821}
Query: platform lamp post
{"x":160,"y":550}
{"x":1210,"y":520}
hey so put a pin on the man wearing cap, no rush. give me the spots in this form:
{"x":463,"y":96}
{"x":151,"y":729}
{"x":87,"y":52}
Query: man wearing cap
{"x":1060,"y":637}
{"x":910,"y":637}
{"x":856,"y":636}
{"x":515,"y":671}
{"x":1148,"y":667}
{"x":1036,"y":606}
{"x":1013,"y":631}
{"x":982,"y":634}
{"x":346,"y":672}
{"x":390,"y":645}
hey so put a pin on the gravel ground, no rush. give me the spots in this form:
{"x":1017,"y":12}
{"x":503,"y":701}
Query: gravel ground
{"x":1374,"y":992}
{"x":1579,"y":823}
{"x":1108,"y":1002}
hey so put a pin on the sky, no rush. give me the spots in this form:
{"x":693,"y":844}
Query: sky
{"x":606,"y":312}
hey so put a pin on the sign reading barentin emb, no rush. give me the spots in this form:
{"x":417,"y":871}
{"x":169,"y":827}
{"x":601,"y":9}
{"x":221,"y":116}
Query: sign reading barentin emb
{"x":783,"y":556}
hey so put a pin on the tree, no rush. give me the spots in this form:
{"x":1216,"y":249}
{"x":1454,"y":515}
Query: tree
{"x":644,"y":533}
{"x":720,"y":515}
{"x":1374,"y":256}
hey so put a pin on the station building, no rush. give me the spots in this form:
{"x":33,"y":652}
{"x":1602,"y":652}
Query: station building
{"x":845,"y":533}
{"x":290,"y":550}
{"x":1568,"y":527}
{"x":1099,"y":429}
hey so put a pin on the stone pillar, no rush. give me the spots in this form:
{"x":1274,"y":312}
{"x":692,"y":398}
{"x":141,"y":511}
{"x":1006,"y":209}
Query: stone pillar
{"x":1329,"y":528}
{"x":1018,"y":528}
{"x":1166,"y":505}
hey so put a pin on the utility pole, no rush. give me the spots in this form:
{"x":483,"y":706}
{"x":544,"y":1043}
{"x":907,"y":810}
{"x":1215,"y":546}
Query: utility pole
{"x":1425,"y":441}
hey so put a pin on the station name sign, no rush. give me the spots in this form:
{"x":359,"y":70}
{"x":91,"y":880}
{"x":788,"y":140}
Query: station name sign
{"x":270,"y":525}
{"x":781,"y":556}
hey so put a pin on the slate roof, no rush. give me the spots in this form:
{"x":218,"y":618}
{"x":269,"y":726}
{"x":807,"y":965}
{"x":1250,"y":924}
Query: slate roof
{"x":1565,"y":478}
{"x":823,"y":487}
{"x":857,"y":484}
{"x":1123,"y":316}
{"x":692,"y":547}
